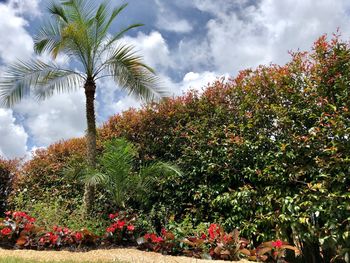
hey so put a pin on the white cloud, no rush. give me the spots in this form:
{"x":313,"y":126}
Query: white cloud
{"x":60,"y":117}
{"x":169,"y":21}
{"x":242,"y":35}
{"x":198,"y":81}
{"x":13,"y":136}
{"x":15,"y":41}
{"x":112,"y":100}
{"x":30,"y":7}
{"x":153,"y":48}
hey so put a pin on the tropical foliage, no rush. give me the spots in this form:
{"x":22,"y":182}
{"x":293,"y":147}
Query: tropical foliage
{"x":266,"y":152}
{"x":118,"y":175}
{"x":79,"y":29}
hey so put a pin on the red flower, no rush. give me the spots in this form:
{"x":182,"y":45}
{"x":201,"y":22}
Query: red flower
{"x":203,"y":236}
{"x":54,"y":228}
{"x":6,"y":231}
{"x":110,"y":229}
{"x":158,"y":239}
{"x":31,"y":219}
{"x":278,"y":243}
{"x":78,"y":236}
{"x":154,"y":238}
{"x":131,"y":227}
{"x":120,"y":224}
{"x":214,"y":231}
{"x":53,"y":239}
{"x":163,"y":231}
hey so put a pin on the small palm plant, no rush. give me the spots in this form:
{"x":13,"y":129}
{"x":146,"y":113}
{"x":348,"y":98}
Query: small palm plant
{"x":116,"y":173}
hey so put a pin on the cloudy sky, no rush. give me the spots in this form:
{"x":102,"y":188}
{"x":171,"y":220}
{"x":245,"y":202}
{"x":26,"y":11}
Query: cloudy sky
{"x":188,"y":42}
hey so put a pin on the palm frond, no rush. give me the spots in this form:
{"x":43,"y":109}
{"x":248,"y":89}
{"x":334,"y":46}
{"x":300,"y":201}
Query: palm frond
{"x":117,"y":36}
{"x":132,"y":75}
{"x":161,"y":169}
{"x":94,"y":178}
{"x":117,"y":159}
{"x":49,"y":39}
{"x":37,"y":77}
{"x":79,"y":10}
{"x":115,"y":12}
{"x":58,"y":11}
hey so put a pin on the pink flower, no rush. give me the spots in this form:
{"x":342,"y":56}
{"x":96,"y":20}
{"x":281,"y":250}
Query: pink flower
{"x":131,"y":227}
{"x":66,"y":231}
{"x":111,"y":216}
{"x":8,"y":213}
{"x":42,"y":240}
{"x":278,"y":243}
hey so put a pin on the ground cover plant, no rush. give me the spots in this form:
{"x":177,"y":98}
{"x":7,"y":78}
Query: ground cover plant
{"x":266,"y":152}
{"x":19,"y":230}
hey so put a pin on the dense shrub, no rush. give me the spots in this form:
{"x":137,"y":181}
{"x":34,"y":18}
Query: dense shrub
{"x":8,"y":170}
{"x":268,"y":150}
{"x":41,"y":179}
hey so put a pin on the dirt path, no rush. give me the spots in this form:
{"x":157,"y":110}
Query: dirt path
{"x":111,"y":255}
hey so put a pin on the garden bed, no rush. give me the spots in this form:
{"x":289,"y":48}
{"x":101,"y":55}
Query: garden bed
{"x":101,"y":255}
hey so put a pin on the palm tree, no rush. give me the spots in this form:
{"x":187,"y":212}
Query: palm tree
{"x":80,"y":30}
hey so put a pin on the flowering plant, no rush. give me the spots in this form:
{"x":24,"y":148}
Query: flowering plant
{"x":122,"y":228}
{"x":164,"y":243}
{"x":64,"y":237}
{"x":275,"y":251}
{"x":228,"y":246}
{"x":18,"y":228}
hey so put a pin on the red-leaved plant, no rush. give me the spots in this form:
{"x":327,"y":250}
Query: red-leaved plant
{"x":64,"y":237}
{"x":18,"y":229}
{"x":164,"y":243}
{"x":122,"y":229}
{"x":275,"y":251}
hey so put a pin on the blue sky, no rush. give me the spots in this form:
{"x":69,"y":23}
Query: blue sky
{"x":189,"y":43}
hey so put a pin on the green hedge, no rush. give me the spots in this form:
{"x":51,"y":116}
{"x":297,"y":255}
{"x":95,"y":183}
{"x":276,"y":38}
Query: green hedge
{"x":268,"y":151}
{"x":8,"y":170}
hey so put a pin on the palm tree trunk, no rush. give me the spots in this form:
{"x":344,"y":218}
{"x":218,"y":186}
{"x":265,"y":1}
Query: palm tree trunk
{"x":90,"y":88}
